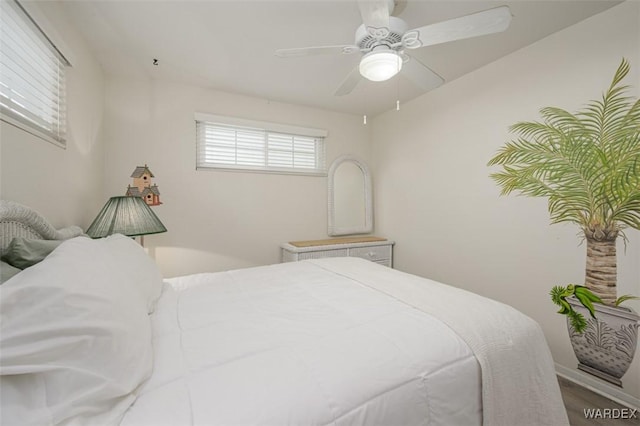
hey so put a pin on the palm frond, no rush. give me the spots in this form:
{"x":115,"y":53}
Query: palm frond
{"x":587,"y":163}
{"x":624,"y":298}
{"x":621,"y":73}
{"x":561,"y":120}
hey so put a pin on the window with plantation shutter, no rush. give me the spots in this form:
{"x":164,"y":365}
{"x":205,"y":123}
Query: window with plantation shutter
{"x":32,"y":76}
{"x":232,"y":143}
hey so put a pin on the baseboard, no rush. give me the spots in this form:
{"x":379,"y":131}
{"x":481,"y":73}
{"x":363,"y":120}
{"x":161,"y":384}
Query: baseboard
{"x":598,"y":386}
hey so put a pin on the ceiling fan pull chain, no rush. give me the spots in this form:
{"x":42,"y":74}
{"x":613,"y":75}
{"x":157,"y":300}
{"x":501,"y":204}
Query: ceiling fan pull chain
{"x":398,"y":86}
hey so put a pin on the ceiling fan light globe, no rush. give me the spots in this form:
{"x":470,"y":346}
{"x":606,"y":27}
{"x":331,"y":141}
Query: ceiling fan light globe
{"x":380,"y":66}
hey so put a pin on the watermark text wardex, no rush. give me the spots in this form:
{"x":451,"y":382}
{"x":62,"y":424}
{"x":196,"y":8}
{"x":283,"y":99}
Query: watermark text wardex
{"x":610,"y":413}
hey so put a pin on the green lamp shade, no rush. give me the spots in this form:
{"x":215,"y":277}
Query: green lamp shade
{"x":129,"y":216}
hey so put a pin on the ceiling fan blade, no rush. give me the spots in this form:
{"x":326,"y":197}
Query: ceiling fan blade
{"x":349,"y":83}
{"x":477,"y":24}
{"x":320,"y":50}
{"x":375,"y":16}
{"x":421,"y":75}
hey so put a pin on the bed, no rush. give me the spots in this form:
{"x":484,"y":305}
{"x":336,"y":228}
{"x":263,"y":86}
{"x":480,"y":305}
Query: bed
{"x":92,"y":334}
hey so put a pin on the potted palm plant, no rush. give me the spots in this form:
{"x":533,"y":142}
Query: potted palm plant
{"x":588,"y":166}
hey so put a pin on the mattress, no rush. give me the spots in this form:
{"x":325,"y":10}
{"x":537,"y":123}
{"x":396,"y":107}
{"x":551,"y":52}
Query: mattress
{"x":301,"y":344}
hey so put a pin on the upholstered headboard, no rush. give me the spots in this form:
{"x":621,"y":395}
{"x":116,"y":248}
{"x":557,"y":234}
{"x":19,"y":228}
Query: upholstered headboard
{"x":17,"y":220}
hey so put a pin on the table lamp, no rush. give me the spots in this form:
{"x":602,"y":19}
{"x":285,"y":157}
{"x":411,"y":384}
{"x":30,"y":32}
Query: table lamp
{"x":129,"y":216}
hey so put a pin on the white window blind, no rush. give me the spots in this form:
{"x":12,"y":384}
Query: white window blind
{"x":32,"y":76}
{"x":228,"y":143}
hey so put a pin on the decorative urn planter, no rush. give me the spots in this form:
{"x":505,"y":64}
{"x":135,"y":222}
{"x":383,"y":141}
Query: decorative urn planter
{"x":607,"y":346}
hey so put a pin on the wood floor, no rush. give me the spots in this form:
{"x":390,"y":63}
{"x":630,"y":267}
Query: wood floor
{"x":581,"y":403}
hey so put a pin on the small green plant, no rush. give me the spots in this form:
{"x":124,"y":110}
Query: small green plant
{"x":559,"y":296}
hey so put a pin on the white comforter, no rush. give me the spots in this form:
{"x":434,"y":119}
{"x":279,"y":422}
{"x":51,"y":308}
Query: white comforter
{"x":315,"y":342}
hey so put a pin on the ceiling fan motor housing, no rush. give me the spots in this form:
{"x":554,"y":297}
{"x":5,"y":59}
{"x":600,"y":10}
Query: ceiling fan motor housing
{"x":369,"y":40}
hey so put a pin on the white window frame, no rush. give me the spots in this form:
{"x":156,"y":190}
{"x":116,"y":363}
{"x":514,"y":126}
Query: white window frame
{"x":52,"y":127}
{"x":262,"y":132}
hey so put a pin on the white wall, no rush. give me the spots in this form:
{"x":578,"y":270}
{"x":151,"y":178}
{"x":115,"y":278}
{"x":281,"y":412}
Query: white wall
{"x":217,"y":220}
{"x":65,"y":185}
{"x":434,"y":196}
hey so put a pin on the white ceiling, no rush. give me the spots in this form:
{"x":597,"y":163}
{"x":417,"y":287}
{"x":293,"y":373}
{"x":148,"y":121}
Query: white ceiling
{"x":229,"y":45}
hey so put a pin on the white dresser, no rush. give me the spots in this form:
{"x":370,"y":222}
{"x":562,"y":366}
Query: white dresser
{"x":376,"y":249}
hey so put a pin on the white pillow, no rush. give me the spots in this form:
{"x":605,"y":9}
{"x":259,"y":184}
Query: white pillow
{"x":75,"y":335}
{"x":136,"y":265}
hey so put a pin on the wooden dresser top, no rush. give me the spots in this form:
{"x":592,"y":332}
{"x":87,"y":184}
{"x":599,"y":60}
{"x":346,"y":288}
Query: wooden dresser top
{"x":334,"y":241}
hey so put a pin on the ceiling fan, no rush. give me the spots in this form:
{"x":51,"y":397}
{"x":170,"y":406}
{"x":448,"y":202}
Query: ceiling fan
{"x":383,"y":40}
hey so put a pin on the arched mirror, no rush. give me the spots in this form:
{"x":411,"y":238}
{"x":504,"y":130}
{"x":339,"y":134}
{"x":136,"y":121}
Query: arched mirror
{"x":350,"y":203}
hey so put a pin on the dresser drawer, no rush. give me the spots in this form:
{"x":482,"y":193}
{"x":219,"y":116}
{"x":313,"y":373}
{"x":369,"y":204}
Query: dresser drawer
{"x":321,"y":254}
{"x":373,"y":253}
{"x":374,"y":249}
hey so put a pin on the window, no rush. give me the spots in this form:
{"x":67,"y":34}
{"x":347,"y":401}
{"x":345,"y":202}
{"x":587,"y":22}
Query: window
{"x":32,"y":76}
{"x":232,"y":143}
